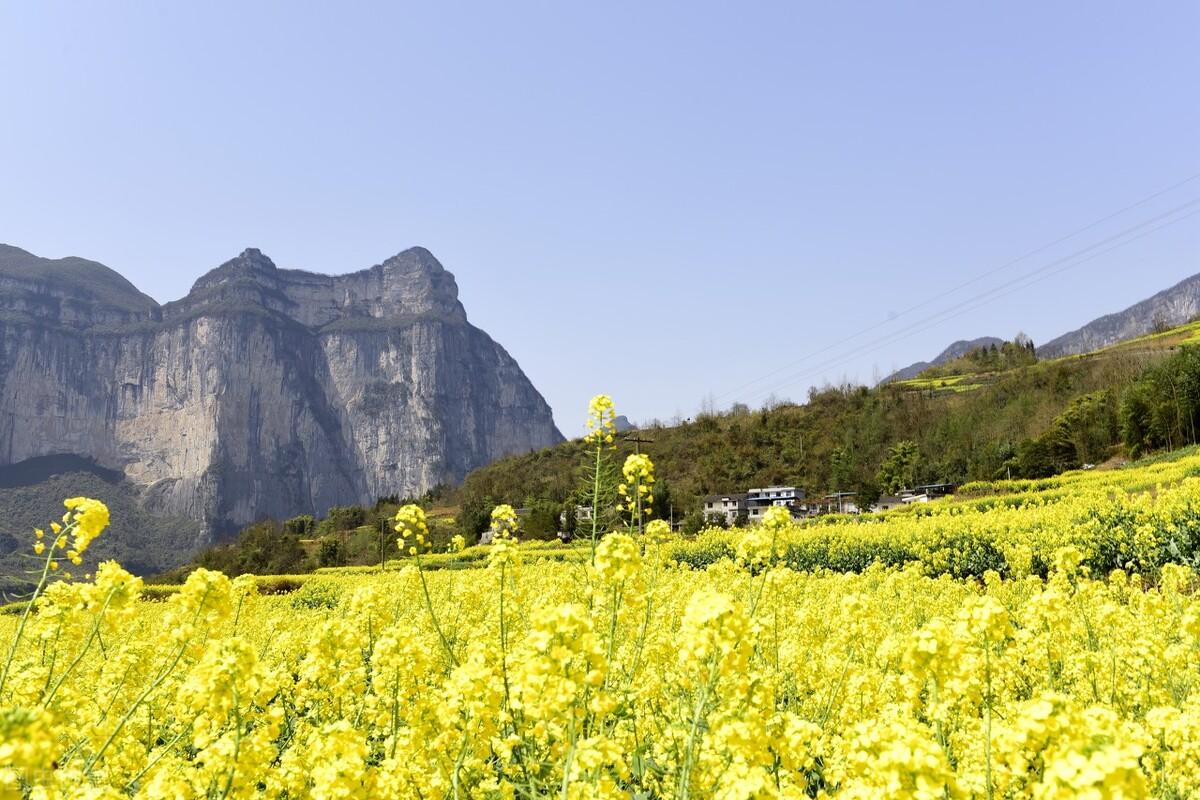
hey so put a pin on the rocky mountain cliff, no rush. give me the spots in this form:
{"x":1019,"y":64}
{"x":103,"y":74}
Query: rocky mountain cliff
{"x":264,"y":391}
{"x":1169,"y":307}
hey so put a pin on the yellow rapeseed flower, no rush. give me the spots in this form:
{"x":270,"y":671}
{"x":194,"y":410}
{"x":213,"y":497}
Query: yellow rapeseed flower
{"x":601,"y":421}
{"x":90,"y":517}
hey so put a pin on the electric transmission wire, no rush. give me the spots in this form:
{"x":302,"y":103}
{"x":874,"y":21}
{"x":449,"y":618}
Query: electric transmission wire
{"x":946,"y":293}
{"x":984,"y":298}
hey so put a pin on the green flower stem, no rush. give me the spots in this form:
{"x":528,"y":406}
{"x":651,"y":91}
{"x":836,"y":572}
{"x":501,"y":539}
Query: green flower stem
{"x":596,"y":500}
{"x":12,"y":650}
{"x":433,"y":616}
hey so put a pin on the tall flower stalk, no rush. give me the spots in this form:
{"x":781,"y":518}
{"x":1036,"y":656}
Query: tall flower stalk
{"x":412,"y":525}
{"x":601,"y":437}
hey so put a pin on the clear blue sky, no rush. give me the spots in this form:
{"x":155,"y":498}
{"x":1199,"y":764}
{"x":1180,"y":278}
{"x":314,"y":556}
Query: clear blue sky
{"x":659,"y":201}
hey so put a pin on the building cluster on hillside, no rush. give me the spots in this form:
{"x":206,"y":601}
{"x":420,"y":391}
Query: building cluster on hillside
{"x":741,"y":508}
{"x":748,"y":507}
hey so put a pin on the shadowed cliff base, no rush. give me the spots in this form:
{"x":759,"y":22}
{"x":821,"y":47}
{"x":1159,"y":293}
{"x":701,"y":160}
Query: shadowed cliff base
{"x":35,"y":470}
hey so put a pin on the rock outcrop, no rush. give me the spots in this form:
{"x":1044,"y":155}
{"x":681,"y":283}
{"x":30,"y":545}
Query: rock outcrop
{"x":1174,"y":306}
{"x":264,"y":391}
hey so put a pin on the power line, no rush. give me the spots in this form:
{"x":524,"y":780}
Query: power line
{"x":927,"y":301}
{"x":982,"y":299}
{"x":913,"y":330}
{"x":950,"y":310}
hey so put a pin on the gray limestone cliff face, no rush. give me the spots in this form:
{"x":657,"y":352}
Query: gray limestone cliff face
{"x":263,"y":392}
{"x":1173,"y":306}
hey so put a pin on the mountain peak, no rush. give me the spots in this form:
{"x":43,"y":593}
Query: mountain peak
{"x":415,"y":262}
{"x":249,"y":264}
{"x":409,"y":284}
{"x":253,"y":254}
{"x":418,"y":255}
{"x":94,"y":292}
{"x":415,"y":278}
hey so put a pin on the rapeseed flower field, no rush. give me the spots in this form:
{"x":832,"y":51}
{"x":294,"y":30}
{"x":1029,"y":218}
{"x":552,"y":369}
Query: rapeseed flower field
{"x":1023,"y":640}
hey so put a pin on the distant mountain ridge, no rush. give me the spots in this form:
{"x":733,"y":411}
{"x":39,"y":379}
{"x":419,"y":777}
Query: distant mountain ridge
{"x":956,"y":350}
{"x":1170,"y":307}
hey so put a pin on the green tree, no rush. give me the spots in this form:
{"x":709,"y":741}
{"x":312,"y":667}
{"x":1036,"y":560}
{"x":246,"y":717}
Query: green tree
{"x":693,"y":523}
{"x":716,"y":520}
{"x":867,"y":493}
{"x":663,"y":500}
{"x":1161,"y":408}
{"x":899,"y":470}
{"x":1089,"y":424}
{"x":1042,"y":457}
{"x":542,"y":520}
{"x":474,"y":517}
{"x":1137,"y":419}
{"x":341,"y":518}
{"x":299,"y":526}
{"x":841,"y":469}
{"x":332,"y":553}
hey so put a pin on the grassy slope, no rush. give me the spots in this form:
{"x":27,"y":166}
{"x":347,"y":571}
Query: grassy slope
{"x":1151,"y":344}
{"x":1039,"y":497}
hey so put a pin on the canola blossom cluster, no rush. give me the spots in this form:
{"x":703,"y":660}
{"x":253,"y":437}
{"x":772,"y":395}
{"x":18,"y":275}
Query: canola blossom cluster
{"x":633,"y":674}
{"x":504,"y":522}
{"x":83,"y":521}
{"x":410,"y":523}
{"x":601,"y":421}
{"x":503,"y":550}
{"x":637,"y":492}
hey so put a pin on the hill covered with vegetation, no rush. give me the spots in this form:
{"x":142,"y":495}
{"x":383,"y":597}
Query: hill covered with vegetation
{"x":1001,"y":413}
{"x":31,"y":495}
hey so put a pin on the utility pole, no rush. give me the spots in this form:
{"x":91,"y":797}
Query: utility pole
{"x":382,"y":533}
{"x":638,"y":441}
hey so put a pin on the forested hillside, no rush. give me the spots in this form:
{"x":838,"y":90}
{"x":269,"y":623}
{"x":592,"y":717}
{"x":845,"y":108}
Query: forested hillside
{"x":33,"y":493}
{"x":974,"y":426}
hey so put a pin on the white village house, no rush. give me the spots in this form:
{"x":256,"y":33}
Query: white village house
{"x":919,"y":494}
{"x":751,"y":505}
{"x":729,"y":506}
{"x":759,"y":500}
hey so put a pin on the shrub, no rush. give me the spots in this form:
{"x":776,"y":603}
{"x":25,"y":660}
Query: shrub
{"x":317,"y":594}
